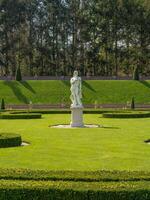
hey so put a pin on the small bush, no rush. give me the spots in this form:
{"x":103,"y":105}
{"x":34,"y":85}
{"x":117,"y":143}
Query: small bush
{"x":132,"y":104}
{"x":18,"y":74}
{"x":9,"y":140}
{"x":21,"y":116}
{"x":2,"y":104}
{"x":136,"y":75}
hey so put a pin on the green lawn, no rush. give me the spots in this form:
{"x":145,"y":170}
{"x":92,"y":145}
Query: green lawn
{"x":55,"y":92}
{"x":119,"y":145}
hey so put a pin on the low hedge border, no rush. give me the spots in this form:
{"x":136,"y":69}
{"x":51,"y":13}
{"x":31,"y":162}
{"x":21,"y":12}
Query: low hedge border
{"x":67,"y":111}
{"x":42,"y":112}
{"x":134,"y":114}
{"x":84,"y":176}
{"x":20,"y":116}
{"x":23,"y":184}
{"x":10,"y":140}
{"x":61,"y":190}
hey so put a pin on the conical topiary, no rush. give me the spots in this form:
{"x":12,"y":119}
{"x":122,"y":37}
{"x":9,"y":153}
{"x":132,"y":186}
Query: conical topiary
{"x":18,"y":74}
{"x":132,"y":103}
{"x":136,"y":75}
{"x":2,"y":104}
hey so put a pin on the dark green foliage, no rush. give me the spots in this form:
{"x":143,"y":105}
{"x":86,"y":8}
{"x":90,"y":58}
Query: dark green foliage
{"x":21,"y":116}
{"x":132,"y":104}
{"x":136,"y":75}
{"x":2,"y":104}
{"x":9,"y":140}
{"x":51,"y":52}
{"x":140,"y":114}
{"x":20,"y":190}
{"x":18,"y":74}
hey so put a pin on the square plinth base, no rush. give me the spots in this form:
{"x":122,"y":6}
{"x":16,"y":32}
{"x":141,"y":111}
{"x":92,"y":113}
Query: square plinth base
{"x":77,"y":117}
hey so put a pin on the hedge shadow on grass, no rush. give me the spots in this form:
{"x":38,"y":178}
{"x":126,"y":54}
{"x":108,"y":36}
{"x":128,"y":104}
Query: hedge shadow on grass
{"x":27,"y":86}
{"x":88,"y":86}
{"x":145,"y":83}
{"x":14,"y":86}
{"x":67,"y":83}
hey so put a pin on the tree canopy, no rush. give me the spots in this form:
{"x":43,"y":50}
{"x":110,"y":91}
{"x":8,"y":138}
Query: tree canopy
{"x":54,"y":37}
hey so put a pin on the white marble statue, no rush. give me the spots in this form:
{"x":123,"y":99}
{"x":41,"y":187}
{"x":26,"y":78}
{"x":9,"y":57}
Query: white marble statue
{"x":76,"y":92}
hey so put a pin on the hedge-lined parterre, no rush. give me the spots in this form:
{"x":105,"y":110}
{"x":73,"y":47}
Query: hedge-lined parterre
{"x":10,"y":140}
{"x":64,"y":111}
{"x":60,"y":111}
{"x":78,"y":185}
{"x":67,"y":111}
{"x":128,"y":114}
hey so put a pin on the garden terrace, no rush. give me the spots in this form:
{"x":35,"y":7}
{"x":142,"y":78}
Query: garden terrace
{"x":57,"y":92}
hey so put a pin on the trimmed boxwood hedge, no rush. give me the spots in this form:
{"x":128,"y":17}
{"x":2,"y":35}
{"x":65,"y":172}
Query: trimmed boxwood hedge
{"x":61,"y":190}
{"x":42,"y":111}
{"x":22,"y":184}
{"x":20,"y":116}
{"x":66,"y":111}
{"x":134,"y":114}
{"x":84,"y":176}
{"x":10,"y":140}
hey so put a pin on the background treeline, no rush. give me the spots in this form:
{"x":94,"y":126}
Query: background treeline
{"x":54,"y":37}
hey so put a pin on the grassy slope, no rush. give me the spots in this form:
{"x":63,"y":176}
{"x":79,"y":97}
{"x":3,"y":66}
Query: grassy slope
{"x":58,"y":91}
{"x":118,"y":146}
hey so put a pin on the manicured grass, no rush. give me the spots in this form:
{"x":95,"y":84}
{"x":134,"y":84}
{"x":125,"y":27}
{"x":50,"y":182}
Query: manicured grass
{"x":56,"y":92}
{"x":119,"y":145}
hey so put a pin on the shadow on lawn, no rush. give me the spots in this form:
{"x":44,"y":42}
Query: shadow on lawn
{"x":14,"y":86}
{"x":145,"y":83}
{"x":27,"y":86}
{"x":109,"y":127}
{"x":67,"y":83}
{"x":88,"y":86}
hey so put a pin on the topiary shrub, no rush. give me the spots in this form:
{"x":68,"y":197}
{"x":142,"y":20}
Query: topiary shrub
{"x":132,"y":104}
{"x":18,"y":74}
{"x":10,"y":140}
{"x":136,"y":75}
{"x":2,"y":104}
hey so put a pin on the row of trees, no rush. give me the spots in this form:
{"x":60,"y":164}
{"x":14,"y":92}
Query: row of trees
{"x":54,"y":37}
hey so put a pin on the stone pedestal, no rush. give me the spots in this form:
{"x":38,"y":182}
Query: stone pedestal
{"x":77,"y":117}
